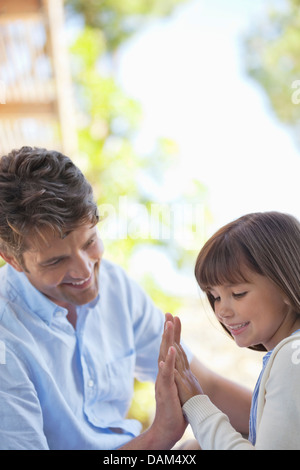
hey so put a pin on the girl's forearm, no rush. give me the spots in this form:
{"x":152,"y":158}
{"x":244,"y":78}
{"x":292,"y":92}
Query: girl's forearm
{"x":231,"y":398}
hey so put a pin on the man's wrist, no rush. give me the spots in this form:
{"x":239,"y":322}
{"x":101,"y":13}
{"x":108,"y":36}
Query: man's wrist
{"x":151,"y":439}
{"x":157,"y":440}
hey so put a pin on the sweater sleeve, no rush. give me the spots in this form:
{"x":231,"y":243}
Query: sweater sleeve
{"x":211,"y":427}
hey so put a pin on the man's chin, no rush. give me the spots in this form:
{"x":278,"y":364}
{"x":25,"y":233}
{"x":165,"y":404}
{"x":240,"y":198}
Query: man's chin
{"x":82,"y":297}
{"x":74,"y":295}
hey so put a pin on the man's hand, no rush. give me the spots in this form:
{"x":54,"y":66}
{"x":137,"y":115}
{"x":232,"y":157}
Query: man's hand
{"x":169,"y":422}
{"x":187,"y":384}
{"x":171,"y":335}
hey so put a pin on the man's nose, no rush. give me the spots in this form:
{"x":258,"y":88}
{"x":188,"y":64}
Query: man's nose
{"x":81,"y":267}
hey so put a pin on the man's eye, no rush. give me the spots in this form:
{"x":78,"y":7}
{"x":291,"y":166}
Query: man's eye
{"x":54,"y":262}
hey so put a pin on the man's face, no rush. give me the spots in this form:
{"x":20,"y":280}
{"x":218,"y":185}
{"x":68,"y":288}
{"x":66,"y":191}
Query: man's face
{"x":66,"y":270}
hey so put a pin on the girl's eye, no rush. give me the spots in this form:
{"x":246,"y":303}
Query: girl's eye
{"x":214,"y":299}
{"x":239,"y":295}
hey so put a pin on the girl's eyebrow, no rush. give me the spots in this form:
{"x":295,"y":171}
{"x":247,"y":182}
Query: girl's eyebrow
{"x":233,"y":284}
{"x":228,"y":286}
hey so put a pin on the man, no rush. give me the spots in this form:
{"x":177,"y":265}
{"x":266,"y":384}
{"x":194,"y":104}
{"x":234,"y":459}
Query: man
{"x":74,"y":329}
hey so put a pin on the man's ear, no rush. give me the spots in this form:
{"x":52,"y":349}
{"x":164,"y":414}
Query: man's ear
{"x":12,"y":261}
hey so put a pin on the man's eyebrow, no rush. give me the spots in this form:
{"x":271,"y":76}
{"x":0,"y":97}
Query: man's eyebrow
{"x":61,"y":257}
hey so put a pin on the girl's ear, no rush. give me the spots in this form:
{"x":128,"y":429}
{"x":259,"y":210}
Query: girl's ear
{"x":12,"y":261}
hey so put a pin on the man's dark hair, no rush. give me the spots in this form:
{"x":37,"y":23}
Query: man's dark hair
{"x":41,"y":190}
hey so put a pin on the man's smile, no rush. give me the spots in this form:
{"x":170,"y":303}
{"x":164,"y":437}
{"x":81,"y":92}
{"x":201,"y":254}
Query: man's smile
{"x":79,"y":284}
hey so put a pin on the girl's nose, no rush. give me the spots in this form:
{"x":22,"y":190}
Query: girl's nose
{"x":224,"y":310}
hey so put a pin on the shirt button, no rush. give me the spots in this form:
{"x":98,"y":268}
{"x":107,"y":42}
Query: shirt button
{"x":90,"y":383}
{"x":59,"y":313}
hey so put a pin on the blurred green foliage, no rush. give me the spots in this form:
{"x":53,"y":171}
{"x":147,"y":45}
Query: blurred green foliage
{"x":109,"y":120}
{"x":273,"y":58}
{"x":120,"y":19}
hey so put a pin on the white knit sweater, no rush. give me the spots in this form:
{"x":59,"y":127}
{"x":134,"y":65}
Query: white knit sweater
{"x":278,"y":408}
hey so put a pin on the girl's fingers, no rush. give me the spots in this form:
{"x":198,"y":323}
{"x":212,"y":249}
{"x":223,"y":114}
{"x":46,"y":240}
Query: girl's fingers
{"x":181,"y":358}
{"x":178,"y":360}
{"x":186,"y":362}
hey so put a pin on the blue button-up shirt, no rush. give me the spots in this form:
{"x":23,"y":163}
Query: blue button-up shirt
{"x":62,"y":388}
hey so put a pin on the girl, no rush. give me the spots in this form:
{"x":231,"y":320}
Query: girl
{"x":250,"y":272}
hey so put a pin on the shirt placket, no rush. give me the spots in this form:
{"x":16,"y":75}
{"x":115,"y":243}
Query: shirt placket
{"x":87,"y":364}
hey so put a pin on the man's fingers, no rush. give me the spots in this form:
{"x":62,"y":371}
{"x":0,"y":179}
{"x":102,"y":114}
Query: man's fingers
{"x":167,"y":339}
{"x":177,"y":329}
{"x":171,"y":335}
{"x":167,"y":366}
{"x":168,"y":317}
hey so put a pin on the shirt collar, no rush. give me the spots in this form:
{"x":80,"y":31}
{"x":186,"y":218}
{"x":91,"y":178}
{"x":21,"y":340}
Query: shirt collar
{"x":21,"y":291}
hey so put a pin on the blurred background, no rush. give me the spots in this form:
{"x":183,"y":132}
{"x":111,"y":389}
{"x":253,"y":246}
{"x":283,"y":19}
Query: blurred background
{"x":183,"y":114}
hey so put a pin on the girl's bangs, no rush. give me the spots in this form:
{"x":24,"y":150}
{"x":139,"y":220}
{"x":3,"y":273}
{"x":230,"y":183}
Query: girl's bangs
{"x":221,"y":263}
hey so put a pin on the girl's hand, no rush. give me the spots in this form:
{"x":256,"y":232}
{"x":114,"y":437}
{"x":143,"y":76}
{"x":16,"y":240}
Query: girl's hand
{"x":187,"y":384}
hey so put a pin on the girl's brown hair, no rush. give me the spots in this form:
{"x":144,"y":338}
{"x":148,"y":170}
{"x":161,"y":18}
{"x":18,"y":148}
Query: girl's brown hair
{"x":41,"y":190}
{"x":268,"y":243}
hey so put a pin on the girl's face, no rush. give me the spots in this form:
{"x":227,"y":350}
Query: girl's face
{"x":255,"y":312}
